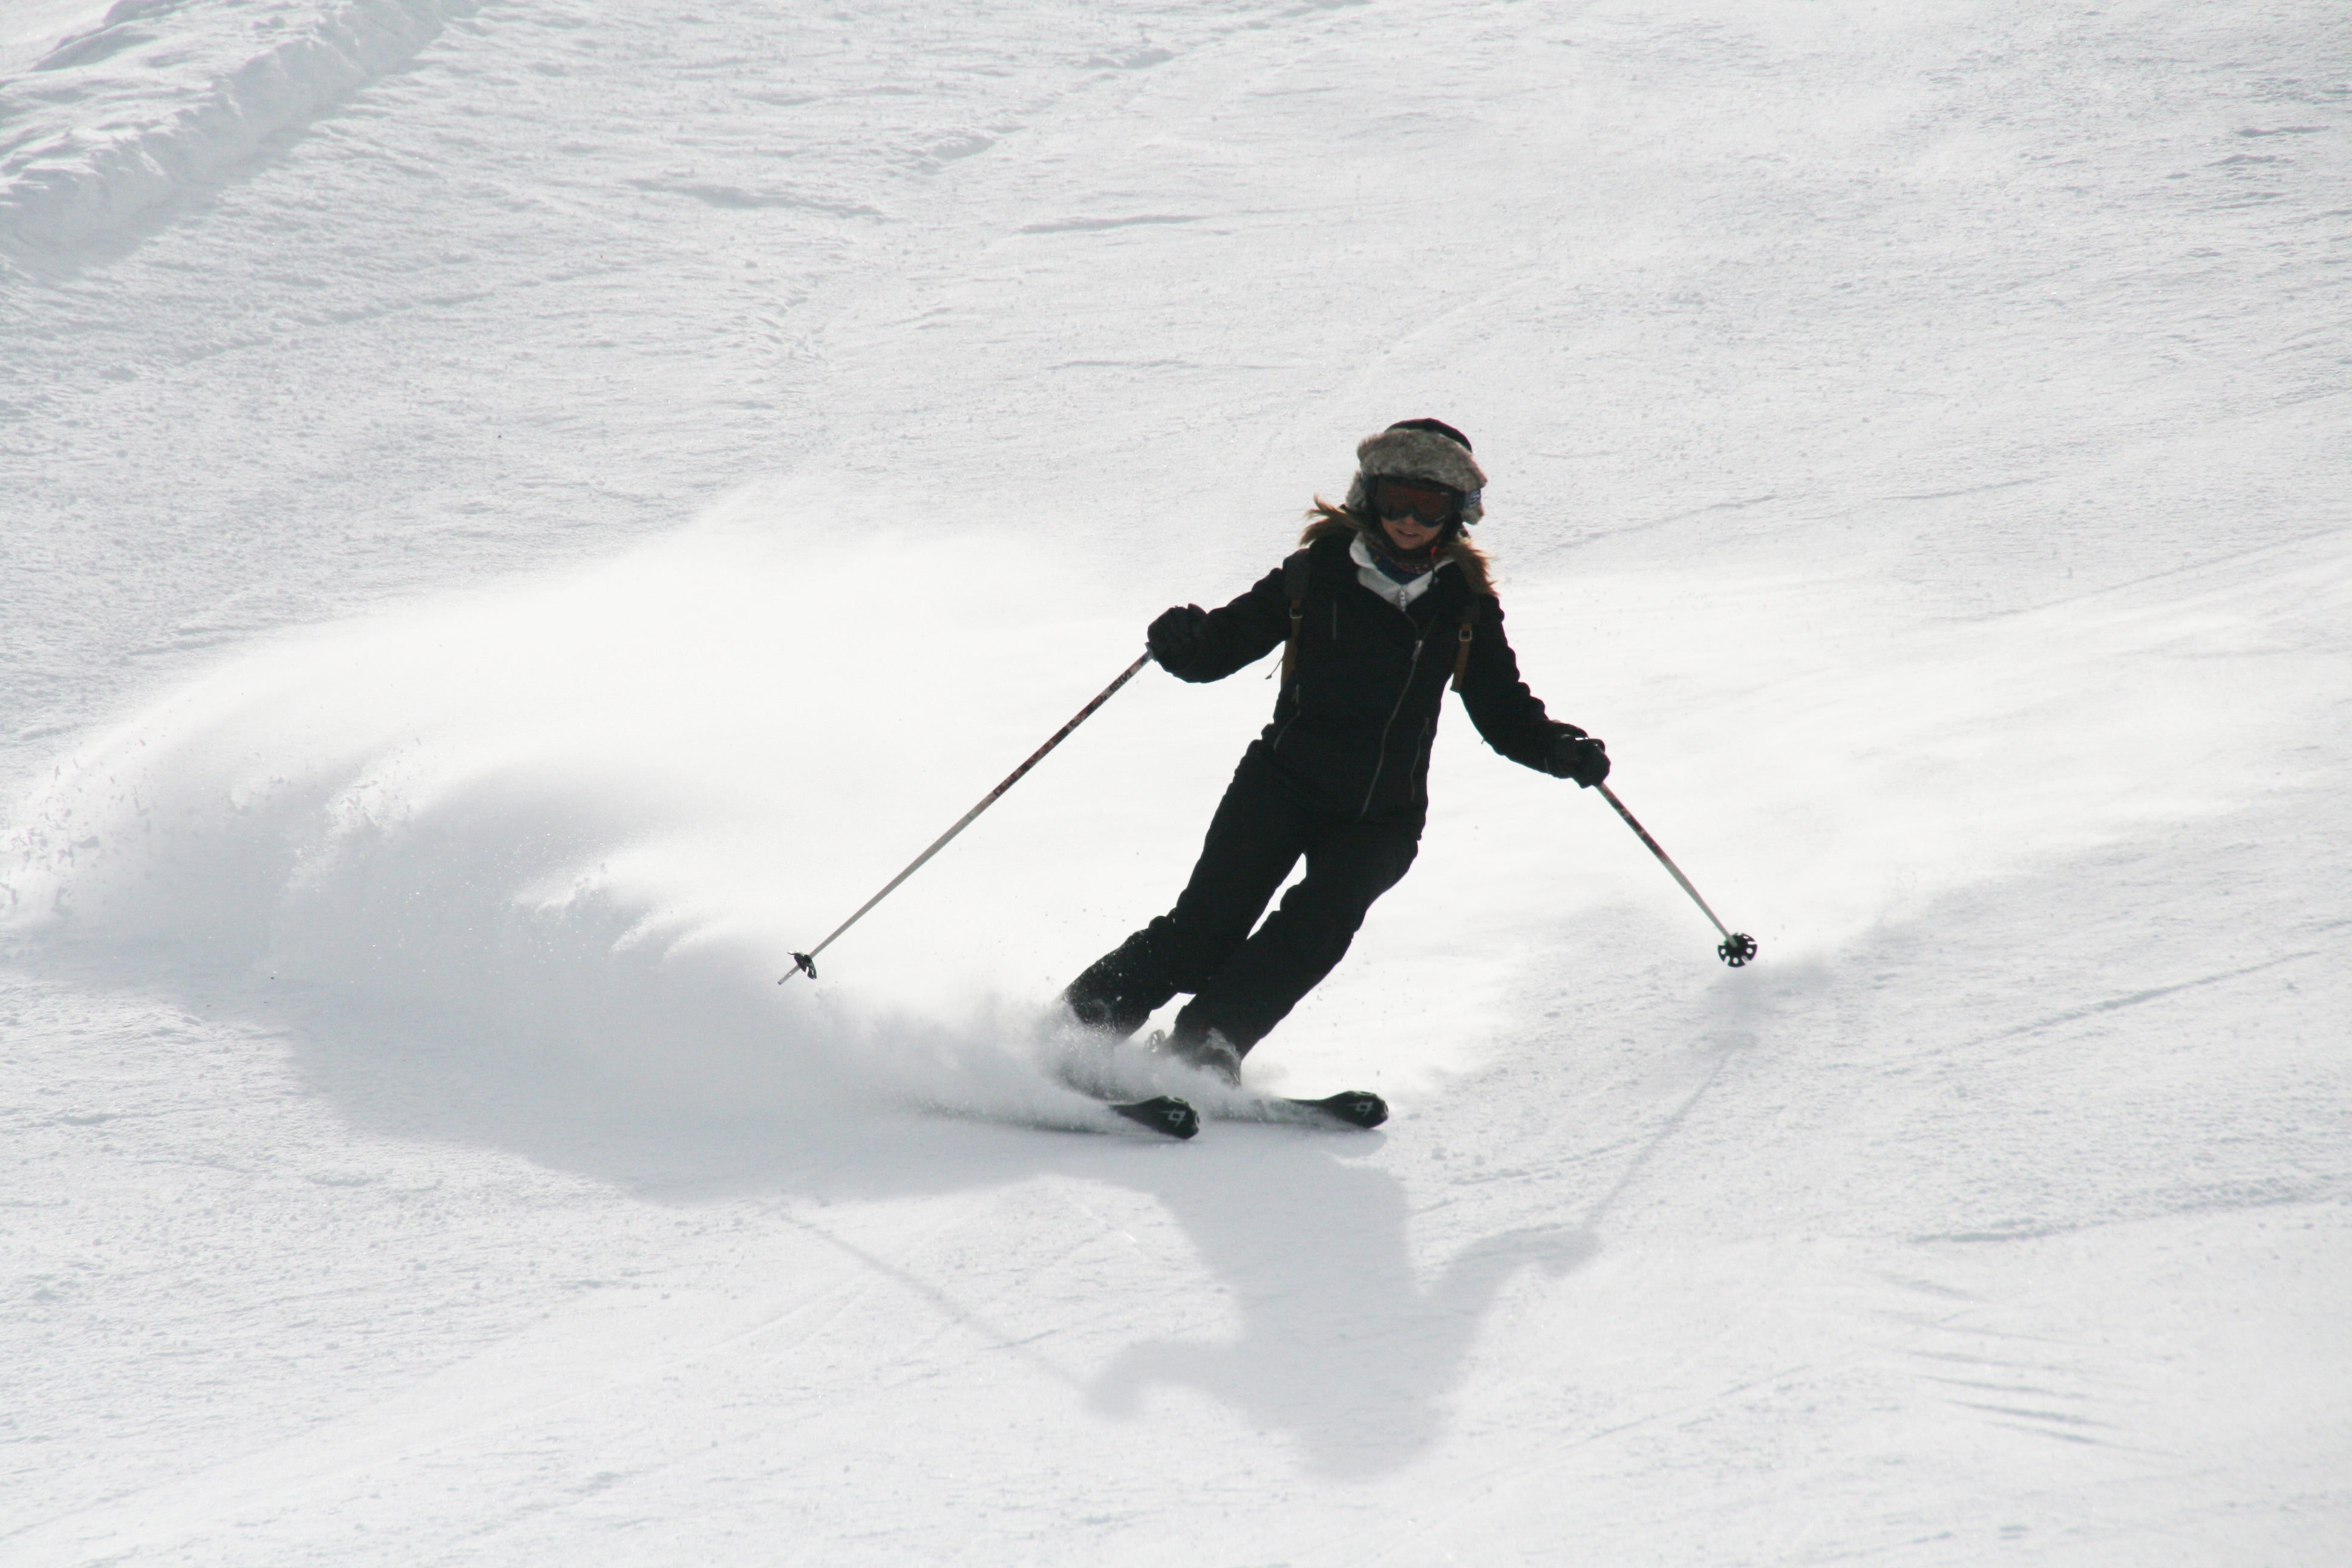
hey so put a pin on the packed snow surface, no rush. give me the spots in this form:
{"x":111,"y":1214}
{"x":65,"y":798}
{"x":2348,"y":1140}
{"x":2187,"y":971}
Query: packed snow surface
{"x":516,"y":518}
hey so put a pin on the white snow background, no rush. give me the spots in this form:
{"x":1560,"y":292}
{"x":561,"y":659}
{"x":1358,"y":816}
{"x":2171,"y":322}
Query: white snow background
{"x":516,"y":517}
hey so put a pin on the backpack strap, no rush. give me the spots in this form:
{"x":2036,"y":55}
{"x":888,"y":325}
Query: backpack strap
{"x":1296,"y":568}
{"x":1462,"y":645}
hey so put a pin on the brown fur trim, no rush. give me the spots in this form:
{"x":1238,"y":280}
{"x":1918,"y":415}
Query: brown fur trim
{"x":1423,"y":454}
{"x":1324,"y":520}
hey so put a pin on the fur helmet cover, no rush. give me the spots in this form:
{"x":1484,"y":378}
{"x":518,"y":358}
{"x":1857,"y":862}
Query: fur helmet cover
{"x":1418,"y":450}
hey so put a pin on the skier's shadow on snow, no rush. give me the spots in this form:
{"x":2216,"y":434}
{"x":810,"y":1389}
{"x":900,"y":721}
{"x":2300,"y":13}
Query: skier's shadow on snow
{"x":1347,"y":1340}
{"x":1344,"y":1342}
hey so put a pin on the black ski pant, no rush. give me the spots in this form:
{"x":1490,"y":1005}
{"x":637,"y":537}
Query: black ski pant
{"x":1243,"y":985}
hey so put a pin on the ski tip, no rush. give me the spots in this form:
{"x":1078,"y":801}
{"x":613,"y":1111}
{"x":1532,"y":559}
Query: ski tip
{"x":1357,"y":1107}
{"x":1164,"y":1114}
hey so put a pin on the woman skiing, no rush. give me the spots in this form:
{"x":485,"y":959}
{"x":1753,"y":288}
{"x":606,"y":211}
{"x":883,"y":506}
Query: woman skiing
{"x":1386,"y":605}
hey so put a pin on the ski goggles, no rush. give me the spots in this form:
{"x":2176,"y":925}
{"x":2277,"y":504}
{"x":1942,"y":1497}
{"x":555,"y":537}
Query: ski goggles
{"x":1430,"y":505}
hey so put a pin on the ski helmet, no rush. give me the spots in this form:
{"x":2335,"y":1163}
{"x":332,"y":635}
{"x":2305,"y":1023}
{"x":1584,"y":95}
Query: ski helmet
{"x":1426,"y":450}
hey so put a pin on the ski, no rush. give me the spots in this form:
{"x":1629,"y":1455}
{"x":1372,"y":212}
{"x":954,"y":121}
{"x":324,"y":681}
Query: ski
{"x":1353,"y":1108}
{"x":1163,"y":1113}
{"x":1109,"y":1073}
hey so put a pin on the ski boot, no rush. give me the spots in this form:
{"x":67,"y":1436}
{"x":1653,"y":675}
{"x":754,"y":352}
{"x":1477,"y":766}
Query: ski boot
{"x":1210,"y":1052}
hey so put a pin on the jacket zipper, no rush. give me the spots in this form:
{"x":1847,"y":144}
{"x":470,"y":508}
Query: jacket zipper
{"x":1380,"y":759}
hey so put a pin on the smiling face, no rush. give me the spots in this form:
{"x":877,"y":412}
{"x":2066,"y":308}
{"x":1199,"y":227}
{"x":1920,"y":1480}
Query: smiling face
{"x":1409,"y":533}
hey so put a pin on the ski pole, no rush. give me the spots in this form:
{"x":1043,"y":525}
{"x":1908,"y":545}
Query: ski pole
{"x":1736,"y":947}
{"x":805,"y":962}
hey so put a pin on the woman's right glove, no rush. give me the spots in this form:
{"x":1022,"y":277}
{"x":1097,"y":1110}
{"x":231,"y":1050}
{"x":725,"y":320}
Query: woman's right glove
{"x":1177,"y":636}
{"x":1577,"y":755}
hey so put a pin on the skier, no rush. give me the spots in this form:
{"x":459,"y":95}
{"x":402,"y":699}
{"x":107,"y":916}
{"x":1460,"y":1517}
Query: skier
{"x":1386,"y":605}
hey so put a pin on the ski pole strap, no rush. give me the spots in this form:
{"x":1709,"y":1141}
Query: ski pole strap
{"x":805,"y":962}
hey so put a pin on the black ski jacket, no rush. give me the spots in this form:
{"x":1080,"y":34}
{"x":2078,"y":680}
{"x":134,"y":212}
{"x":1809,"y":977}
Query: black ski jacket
{"x":1353,"y":729}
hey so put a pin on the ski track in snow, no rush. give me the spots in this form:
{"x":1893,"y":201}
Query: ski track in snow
{"x":517,"y":517}
{"x":165,"y":96}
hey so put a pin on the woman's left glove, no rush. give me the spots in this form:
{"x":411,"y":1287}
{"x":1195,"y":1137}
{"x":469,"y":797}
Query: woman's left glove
{"x":1177,"y":638}
{"x":1577,"y":755}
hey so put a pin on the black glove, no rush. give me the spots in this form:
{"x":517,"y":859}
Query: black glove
{"x":1177,"y":636}
{"x":1577,"y":755}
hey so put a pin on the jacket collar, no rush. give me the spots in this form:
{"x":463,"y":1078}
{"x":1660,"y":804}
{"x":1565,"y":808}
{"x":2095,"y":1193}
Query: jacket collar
{"x":1381,"y":579}
{"x":1328,"y":535}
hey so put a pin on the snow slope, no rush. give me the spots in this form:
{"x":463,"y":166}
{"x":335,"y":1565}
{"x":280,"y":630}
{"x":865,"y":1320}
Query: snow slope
{"x":518,"y":517}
